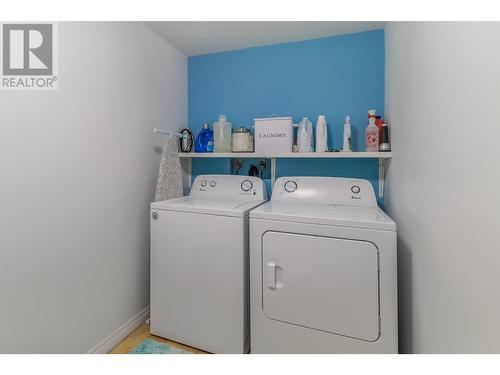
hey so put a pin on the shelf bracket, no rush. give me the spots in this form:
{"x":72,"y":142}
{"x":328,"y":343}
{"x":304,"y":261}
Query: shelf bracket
{"x":273,"y":172}
{"x":381,"y":177}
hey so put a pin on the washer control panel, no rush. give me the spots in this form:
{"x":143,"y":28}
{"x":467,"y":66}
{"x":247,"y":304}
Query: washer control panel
{"x":327,"y":190}
{"x":229,"y":186}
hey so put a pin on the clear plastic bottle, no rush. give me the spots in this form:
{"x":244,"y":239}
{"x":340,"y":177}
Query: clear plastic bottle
{"x":222,"y":135}
{"x":371,"y":135}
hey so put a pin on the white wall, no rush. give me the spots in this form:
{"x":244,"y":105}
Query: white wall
{"x":78,"y":168}
{"x":443,"y":103}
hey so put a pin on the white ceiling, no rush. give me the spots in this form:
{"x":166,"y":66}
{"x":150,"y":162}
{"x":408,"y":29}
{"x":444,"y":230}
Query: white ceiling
{"x":198,"y":38}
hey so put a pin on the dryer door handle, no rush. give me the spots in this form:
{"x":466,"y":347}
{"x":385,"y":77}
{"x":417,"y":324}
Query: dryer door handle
{"x":271,"y":275}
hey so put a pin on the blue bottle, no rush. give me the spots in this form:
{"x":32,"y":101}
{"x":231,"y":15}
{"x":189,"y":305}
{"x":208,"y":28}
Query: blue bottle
{"x":204,"y":140}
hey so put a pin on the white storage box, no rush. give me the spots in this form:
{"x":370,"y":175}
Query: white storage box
{"x":274,"y":134}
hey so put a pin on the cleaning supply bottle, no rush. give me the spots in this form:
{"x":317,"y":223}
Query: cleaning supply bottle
{"x":371,"y":135}
{"x":309,"y":128}
{"x":347,"y":146}
{"x":222,"y":135}
{"x":304,"y":136}
{"x":204,"y":140}
{"x":321,"y":134}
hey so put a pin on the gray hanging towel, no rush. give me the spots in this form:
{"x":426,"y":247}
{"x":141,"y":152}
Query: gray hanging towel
{"x":169,"y":185}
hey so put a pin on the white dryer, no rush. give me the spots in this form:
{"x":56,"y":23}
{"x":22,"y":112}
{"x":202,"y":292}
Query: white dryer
{"x":323,"y":270}
{"x":199,"y":263}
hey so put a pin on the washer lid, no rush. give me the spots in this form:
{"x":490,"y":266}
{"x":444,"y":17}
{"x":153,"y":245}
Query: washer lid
{"x":328,"y":214}
{"x":225,"y":207}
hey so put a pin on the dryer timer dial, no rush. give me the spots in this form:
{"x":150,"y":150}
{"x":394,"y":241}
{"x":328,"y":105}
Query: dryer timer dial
{"x":290,"y":186}
{"x":246,"y":185}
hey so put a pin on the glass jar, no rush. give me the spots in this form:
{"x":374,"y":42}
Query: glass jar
{"x":242,"y":140}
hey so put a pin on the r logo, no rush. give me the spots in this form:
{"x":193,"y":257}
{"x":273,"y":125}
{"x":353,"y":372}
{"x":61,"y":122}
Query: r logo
{"x":27,"y":49}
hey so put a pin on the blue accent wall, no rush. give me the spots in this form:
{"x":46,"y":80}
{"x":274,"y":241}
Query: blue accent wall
{"x":335,"y":76}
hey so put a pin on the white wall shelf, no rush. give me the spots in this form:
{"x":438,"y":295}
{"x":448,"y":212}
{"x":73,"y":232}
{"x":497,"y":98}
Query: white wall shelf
{"x":318,"y":155}
{"x":381,"y":156}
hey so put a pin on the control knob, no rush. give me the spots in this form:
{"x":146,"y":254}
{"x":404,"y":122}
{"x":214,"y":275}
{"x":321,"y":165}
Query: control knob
{"x":246,"y":185}
{"x":290,"y":186}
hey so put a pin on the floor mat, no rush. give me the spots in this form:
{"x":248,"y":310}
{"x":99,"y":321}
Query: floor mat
{"x":149,"y":346}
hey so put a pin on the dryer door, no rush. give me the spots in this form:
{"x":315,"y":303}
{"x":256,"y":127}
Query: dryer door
{"x":323,"y":283}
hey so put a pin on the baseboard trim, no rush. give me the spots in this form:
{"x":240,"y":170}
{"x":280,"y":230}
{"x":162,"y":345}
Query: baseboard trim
{"x":106,"y":345}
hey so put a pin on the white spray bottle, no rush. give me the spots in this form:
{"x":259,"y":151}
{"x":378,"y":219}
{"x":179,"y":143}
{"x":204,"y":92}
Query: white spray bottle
{"x":347,"y":146}
{"x":371,"y":133}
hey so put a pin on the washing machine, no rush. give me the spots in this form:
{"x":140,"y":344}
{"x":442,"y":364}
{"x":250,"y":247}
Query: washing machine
{"x":199,"y":263}
{"x":323,"y":269}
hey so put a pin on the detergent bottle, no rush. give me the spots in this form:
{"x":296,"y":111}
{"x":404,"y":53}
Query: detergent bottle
{"x":321,"y":134}
{"x":204,"y":140}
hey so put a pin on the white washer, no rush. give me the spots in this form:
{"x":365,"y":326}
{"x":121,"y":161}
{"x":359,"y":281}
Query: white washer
{"x":199,"y":263}
{"x":323,"y":269}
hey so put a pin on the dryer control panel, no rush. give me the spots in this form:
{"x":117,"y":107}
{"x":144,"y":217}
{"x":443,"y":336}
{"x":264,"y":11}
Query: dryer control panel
{"x":229,"y":187}
{"x":327,"y":190}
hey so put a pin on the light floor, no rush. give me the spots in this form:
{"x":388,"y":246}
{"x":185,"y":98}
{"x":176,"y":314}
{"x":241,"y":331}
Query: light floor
{"x":141,"y":333}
